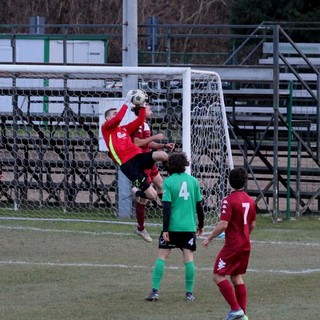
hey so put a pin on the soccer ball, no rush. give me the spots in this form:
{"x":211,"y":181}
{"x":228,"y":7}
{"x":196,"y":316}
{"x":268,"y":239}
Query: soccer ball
{"x":139,"y":97}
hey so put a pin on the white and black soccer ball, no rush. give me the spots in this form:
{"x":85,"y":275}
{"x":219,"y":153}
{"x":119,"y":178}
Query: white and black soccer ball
{"x":139,"y":97}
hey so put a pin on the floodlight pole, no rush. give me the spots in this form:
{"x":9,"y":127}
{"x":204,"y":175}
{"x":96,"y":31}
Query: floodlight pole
{"x":276,"y":122}
{"x":129,"y":58}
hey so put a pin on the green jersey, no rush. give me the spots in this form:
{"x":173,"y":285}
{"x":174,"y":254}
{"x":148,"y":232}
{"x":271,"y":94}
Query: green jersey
{"x":183,"y":191}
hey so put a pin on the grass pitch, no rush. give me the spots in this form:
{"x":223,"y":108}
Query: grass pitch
{"x":68,"y":270}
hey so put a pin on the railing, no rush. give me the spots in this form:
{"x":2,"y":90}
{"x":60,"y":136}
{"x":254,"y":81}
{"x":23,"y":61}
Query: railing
{"x":172,"y":44}
{"x":197,"y":45}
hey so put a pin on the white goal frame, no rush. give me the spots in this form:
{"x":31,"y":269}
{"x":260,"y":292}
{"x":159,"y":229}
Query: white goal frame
{"x":185,"y":72}
{"x":129,"y":80}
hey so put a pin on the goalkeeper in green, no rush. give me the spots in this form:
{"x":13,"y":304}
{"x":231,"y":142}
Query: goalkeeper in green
{"x":182,"y":205}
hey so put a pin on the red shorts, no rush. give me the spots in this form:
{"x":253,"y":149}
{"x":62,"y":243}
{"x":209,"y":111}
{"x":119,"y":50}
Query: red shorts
{"x":231,"y":262}
{"x":151,"y":173}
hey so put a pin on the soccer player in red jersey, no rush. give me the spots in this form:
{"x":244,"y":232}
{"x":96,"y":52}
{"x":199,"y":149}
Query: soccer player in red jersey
{"x":147,"y":142}
{"x":131,"y":159}
{"x":237,"y":220}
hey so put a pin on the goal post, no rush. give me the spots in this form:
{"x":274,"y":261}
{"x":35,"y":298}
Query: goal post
{"x":51,"y":158}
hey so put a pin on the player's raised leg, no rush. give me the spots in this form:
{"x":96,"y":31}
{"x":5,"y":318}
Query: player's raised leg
{"x":160,"y":156}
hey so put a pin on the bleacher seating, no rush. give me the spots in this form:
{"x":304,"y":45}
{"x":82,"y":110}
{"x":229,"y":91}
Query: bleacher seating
{"x":249,"y":102}
{"x":292,"y":56}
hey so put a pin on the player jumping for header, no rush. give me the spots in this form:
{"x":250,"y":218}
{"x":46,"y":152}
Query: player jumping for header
{"x":131,"y":159}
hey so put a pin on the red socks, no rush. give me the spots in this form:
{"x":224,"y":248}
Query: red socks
{"x":228,"y":293}
{"x":241,"y":294}
{"x":140,"y":212}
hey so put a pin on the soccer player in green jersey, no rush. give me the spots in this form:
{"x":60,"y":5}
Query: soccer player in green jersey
{"x":182,"y":202}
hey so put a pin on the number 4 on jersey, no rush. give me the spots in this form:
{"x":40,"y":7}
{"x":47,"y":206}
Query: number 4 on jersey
{"x":183,"y":193}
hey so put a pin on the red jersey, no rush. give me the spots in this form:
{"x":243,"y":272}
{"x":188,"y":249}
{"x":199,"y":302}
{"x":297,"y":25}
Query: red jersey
{"x":239,"y":210}
{"x":143,"y":132}
{"x":118,"y":138}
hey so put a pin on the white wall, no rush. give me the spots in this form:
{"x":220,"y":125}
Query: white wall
{"x":78,"y":51}
{"x":27,"y":50}
{"x":33,"y":51}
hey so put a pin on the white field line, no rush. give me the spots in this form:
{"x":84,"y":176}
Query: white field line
{"x":75,"y":220}
{"x":65,"y":231}
{"x":119,"y":266}
{"x":293,"y":243}
{"x":123,"y":266}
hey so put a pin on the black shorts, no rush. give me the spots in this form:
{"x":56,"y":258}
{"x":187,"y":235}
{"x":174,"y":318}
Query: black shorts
{"x":181,"y":240}
{"x":134,"y":168}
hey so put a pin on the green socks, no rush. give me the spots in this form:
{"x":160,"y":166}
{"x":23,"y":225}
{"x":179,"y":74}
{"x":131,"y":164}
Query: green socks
{"x":157,"y":274}
{"x":189,"y":275}
{"x":158,"y":271}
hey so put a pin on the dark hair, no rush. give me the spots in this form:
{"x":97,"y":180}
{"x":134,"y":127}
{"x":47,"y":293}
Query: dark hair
{"x":238,"y":178}
{"x":108,"y":111}
{"x":136,"y":110}
{"x":177,"y":162}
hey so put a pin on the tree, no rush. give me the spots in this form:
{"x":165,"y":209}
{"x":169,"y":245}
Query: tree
{"x":299,"y":14}
{"x":109,"y":12}
{"x":273,"y":10}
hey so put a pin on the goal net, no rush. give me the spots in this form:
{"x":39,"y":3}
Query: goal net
{"x":53,"y":160}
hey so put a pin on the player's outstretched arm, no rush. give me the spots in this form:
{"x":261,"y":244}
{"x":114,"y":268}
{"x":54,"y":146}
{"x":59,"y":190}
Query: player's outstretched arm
{"x":133,"y":126}
{"x":150,"y":141}
{"x":155,"y":145}
{"x":115,"y":121}
{"x":170,"y":146}
{"x":219,"y":228}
